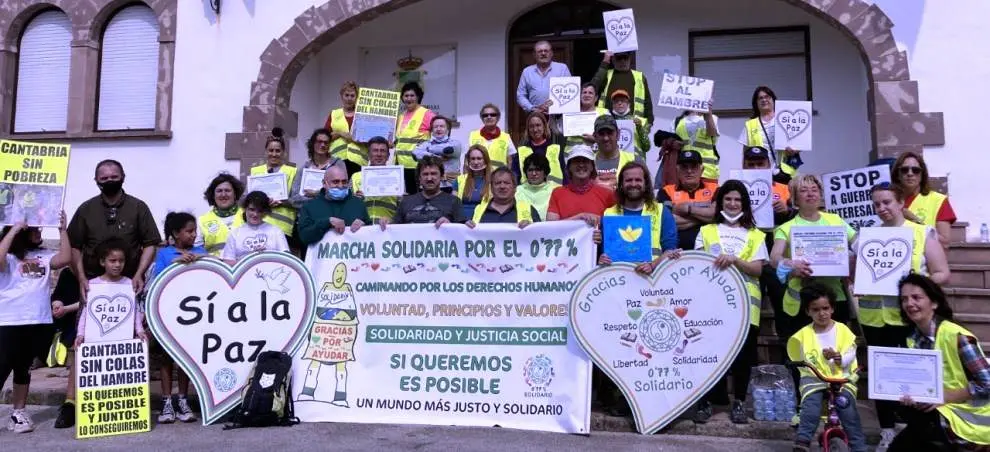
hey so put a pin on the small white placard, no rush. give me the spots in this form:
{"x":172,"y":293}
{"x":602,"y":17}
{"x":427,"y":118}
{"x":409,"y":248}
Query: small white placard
{"x":792,"y":124}
{"x":565,"y":92}
{"x":620,"y":30}
{"x":759,"y":182}
{"x":312,"y":179}
{"x":110,"y":312}
{"x":275,"y":185}
{"x":824,"y":248}
{"x":579,"y":124}
{"x":626,"y":134}
{"x":683,"y":92}
{"x":898,"y":372}
{"x":382,"y":181}
{"x":883,"y":257}
{"x":847,"y":194}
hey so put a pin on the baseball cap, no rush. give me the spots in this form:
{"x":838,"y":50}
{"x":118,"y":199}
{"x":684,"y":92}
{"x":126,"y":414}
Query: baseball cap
{"x":623,"y":54}
{"x":662,"y":135}
{"x":580,"y":150}
{"x":689,"y":157}
{"x":620,"y":92}
{"x":756,"y":153}
{"x":605,"y":122}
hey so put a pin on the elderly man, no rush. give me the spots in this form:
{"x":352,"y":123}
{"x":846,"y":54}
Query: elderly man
{"x":430,"y":205}
{"x":622,"y":76}
{"x":533,"y":92}
{"x":379,"y":206}
{"x":582,"y":198}
{"x":111,"y":214}
{"x":335,"y":208}
{"x":690,"y":198}
{"x":503,"y":207}
{"x":610,"y":159}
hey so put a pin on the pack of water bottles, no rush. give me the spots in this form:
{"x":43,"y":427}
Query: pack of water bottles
{"x":772,"y":393}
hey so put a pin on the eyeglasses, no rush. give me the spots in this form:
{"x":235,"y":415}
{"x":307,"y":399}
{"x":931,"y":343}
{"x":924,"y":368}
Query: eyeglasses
{"x":489,"y":115}
{"x":111,"y":215}
{"x":910,"y":170}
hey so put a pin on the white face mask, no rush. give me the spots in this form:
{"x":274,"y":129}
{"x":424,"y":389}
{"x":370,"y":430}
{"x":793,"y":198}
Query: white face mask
{"x":730,"y":218}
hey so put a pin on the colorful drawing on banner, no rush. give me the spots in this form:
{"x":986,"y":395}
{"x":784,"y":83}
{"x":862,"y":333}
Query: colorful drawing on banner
{"x":620,"y":30}
{"x":109,"y":312}
{"x":32,"y":186}
{"x":793,"y":125}
{"x":215,"y":320}
{"x":883,"y":258}
{"x":847,"y":194}
{"x":759,"y":184}
{"x":375,"y":114}
{"x":628,"y":238}
{"x":673,"y":338}
{"x":565,"y":93}
{"x":626,"y":135}
{"x":112,"y":389}
{"x":487,"y":343}
{"x":684,"y":92}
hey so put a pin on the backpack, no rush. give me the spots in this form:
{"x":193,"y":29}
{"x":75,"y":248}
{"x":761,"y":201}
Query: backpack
{"x":267,"y":397}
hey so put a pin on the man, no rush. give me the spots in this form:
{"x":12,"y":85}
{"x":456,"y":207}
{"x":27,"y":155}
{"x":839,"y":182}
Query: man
{"x":503,"y":207}
{"x":690,"y":198}
{"x":112,"y":214}
{"x":609,"y":159}
{"x":379,"y":206}
{"x":335,"y":208}
{"x":621,"y":110}
{"x":625,"y":78}
{"x":533,"y":92}
{"x":582,"y":198}
{"x":670,"y":145}
{"x":634,"y":196}
{"x":430,"y":205}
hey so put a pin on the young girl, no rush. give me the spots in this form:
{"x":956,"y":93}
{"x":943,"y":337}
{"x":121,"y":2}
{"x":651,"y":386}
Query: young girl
{"x":25,"y":312}
{"x":180,"y":233}
{"x":112,"y":256}
{"x":254,"y":235}
{"x":830,"y":347}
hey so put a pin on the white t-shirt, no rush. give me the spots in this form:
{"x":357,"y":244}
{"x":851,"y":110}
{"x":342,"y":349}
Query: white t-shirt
{"x":768,"y":134}
{"x":733,"y":241}
{"x":24,"y":294}
{"x":248,"y":239}
{"x":827,"y":340}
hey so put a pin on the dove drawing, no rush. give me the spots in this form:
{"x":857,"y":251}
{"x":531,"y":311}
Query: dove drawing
{"x":275,"y":280}
{"x":629,"y":234}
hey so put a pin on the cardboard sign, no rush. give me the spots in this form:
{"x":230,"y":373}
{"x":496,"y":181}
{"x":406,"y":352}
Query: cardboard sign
{"x":760,"y":186}
{"x":375,"y":114}
{"x":847,"y":194}
{"x":883,"y":258}
{"x":666,"y":339}
{"x":628,"y":238}
{"x":565,"y":92}
{"x":110,"y":312}
{"x":214,"y":320}
{"x":620,"y":30}
{"x":32,"y":182}
{"x":683,"y":92}
{"x":824,"y":248}
{"x":626,"y":135}
{"x":112,"y":388}
{"x":792,"y":124}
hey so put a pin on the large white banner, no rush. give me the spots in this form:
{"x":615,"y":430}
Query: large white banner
{"x":448,"y":326}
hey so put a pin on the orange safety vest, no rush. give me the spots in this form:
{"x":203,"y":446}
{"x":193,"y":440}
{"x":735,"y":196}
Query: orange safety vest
{"x":704,"y":194}
{"x":781,"y":192}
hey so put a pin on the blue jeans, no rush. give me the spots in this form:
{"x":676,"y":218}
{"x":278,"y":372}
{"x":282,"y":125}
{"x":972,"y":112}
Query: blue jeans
{"x":811,"y":411}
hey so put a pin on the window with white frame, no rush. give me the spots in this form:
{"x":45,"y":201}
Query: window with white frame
{"x":128,"y":71}
{"x":741,"y":60}
{"x":42,"y":95}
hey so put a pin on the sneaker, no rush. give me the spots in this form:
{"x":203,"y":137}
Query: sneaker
{"x":185,"y":414}
{"x":66,"y":415}
{"x":20,"y":422}
{"x":886,"y":437}
{"x":168,"y":413}
{"x":738,"y":414}
{"x":703,"y":412}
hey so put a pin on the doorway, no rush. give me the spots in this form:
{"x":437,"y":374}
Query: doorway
{"x":573,"y":27}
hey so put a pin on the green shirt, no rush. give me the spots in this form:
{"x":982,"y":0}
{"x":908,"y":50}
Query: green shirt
{"x":314,"y":217}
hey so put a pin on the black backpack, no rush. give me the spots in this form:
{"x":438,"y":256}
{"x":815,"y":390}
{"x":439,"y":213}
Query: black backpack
{"x":267,"y":398}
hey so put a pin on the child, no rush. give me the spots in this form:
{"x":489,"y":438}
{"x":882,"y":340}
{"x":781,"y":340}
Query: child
{"x":254,"y":235}
{"x":180,"y":232}
{"x":831,"y":348}
{"x":112,"y":256}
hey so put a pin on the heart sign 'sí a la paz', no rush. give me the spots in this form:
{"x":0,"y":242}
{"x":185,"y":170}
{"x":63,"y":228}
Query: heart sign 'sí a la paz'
{"x":694,"y":322}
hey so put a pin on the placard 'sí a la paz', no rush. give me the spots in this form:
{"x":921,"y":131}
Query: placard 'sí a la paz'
{"x":112,"y":388}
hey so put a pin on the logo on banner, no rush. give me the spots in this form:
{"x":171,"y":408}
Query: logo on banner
{"x":794,"y":123}
{"x":885,"y":257}
{"x":539,"y":372}
{"x":620,"y":28}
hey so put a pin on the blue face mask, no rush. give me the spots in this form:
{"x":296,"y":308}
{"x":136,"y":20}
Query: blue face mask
{"x":336,"y":194}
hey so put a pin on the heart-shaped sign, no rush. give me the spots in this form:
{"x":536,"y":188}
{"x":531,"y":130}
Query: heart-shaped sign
{"x":884,"y":257}
{"x":625,"y":138}
{"x":760,"y":192}
{"x":620,"y":28}
{"x":794,"y":122}
{"x":564,"y":94}
{"x":110,"y":312}
{"x":215,"y":320}
{"x":682,"y":348}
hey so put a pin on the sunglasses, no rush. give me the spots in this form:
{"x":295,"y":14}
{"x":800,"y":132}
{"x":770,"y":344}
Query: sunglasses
{"x":910,"y":170}
{"x":489,"y":115}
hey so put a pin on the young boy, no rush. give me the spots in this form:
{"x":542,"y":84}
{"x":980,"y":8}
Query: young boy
{"x":831,"y":348}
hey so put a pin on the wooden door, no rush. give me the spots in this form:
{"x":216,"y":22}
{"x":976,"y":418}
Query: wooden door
{"x":521,"y":55}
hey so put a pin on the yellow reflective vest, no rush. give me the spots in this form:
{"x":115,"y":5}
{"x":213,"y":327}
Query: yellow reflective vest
{"x":553,"y":155}
{"x":639,"y":99}
{"x":378,"y":206}
{"x":877,"y":311}
{"x":498,"y":149}
{"x":214,"y":231}
{"x":341,"y":148}
{"x":926,"y":207}
{"x":792,"y":294}
{"x":408,"y":137}
{"x":754,"y":137}
{"x":462,"y":188}
{"x":754,"y":238}
{"x":656,"y":221}
{"x":704,"y":145}
{"x":524,"y":211}
{"x":284,"y":216}
{"x":812,"y":349}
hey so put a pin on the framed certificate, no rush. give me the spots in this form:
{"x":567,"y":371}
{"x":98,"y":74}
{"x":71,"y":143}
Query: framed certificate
{"x":825,"y":248}
{"x":383,"y":181}
{"x":312,"y":179}
{"x":275,"y":185}
{"x":898,"y":372}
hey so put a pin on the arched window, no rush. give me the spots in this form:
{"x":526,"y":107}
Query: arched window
{"x":128,"y":71}
{"x":42,"y":97}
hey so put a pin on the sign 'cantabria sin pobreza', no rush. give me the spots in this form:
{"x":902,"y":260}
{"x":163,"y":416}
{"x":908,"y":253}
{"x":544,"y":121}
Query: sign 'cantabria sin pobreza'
{"x":664,"y":339}
{"x":448,"y":326}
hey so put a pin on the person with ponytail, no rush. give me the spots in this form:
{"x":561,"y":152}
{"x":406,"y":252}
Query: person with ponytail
{"x":283,"y":213}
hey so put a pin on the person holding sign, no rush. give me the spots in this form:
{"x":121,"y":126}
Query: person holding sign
{"x":255,"y":235}
{"x":443,"y":147}
{"x":690,"y":199}
{"x":610,"y":159}
{"x":700,"y":133}
{"x":224,"y":214}
{"x":412,"y":128}
{"x":617,"y":73}
{"x":498,"y":143}
{"x":112,"y":256}
{"x":25,"y":311}
{"x":759,"y":131}
{"x":589,"y":101}
{"x":283,"y":214}
{"x":339,"y":122}
{"x":533,"y":93}
{"x":961,"y":422}
{"x":735,"y":240}
{"x":621,"y":111}
{"x":540,"y":140}
{"x":922,"y":204}
{"x":378,"y":206}
{"x":472,"y":186}
{"x":634,"y":197}
{"x":319,"y":158}
{"x":536,"y":190}
{"x":503,"y":206}
{"x":337,"y":209}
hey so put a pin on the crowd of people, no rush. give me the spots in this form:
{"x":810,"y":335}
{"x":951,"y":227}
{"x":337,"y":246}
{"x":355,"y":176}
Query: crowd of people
{"x":113,"y":238}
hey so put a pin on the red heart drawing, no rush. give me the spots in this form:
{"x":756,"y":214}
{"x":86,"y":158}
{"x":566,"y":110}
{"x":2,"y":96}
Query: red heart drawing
{"x":375,"y":266}
{"x":541,"y":267}
{"x":680,"y":311}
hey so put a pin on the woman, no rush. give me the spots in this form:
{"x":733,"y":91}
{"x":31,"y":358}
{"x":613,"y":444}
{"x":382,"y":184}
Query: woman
{"x":25,"y":309}
{"x":759,"y":131}
{"x":498,"y":143}
{"x":412,"y":128}
{"x":539,"y":141}
{"x":961,"y":422}
{"x":443,"y":147}
{"x":472,"y":186}
{"x":699,"y":132}
{"x":589,"y":104}
{"x":283,"y":214}
{"x":224,"y":215}
{"x":736,"y":242}
{"x":340,"y":121}
{"x":318,"y":151}
{"x":622,"y":110}
{"x":536,"y":190}
{"x":922,"y":204}
{"x":880,"y":315}
{"x":503,"y":207}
